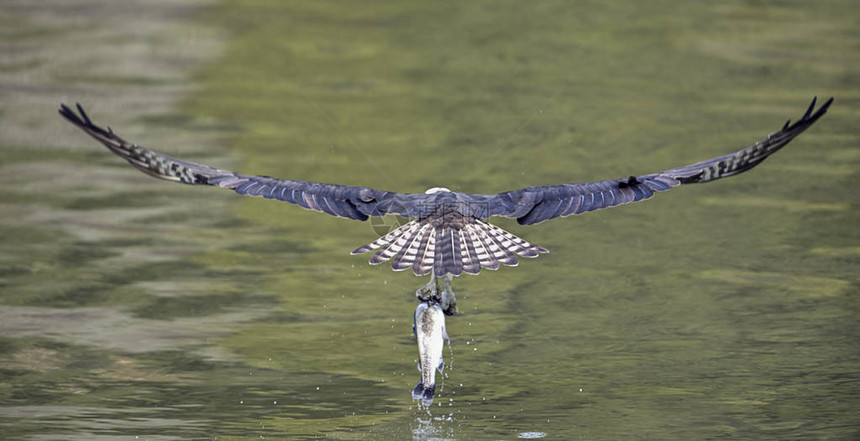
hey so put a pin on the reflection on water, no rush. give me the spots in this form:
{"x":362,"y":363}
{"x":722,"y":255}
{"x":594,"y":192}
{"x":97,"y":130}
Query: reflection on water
{"x":136,"y":309}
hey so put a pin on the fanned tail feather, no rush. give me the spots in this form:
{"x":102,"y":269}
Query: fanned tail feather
{"x":426,"y":254}
{"x":482,"y":250}
{"x":448,"y":257}
{"x":397,"y":244}
{"x":513,"y":243}
{"x":407,"y":257}
{"x":446,"y":250}
{"x":469,"y":256}
{"x":384,"y":240}
{"x":502,"y":255}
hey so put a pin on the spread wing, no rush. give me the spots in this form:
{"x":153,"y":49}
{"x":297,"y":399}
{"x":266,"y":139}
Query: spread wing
{"x":337,"y":200}
{"x":533,"y":205}
{"x":448,"y":236}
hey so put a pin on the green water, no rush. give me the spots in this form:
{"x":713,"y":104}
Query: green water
{"x":137,"y":309}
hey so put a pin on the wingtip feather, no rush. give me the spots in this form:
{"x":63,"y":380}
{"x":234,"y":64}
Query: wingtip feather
{"x":811,"y":108}
{"x":84,"y":115}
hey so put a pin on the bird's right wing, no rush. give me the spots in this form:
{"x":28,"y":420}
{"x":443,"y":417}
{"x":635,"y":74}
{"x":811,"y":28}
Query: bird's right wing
{"x":533,"y":205}
{"x":337,"y":200}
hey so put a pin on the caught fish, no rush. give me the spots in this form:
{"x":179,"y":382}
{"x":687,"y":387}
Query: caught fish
{"x":430,"y":332}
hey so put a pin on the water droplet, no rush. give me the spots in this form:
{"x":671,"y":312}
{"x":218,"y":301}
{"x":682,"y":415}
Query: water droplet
{"x":275,"y":402}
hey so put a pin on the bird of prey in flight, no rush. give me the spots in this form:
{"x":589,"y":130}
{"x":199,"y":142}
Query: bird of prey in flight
{"x":448,"y":233}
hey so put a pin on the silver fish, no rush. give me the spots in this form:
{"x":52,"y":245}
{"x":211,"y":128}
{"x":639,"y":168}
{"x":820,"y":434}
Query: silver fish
{"x":430,"y":332}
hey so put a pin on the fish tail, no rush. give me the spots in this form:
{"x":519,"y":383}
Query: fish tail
{"x":424,"y":393}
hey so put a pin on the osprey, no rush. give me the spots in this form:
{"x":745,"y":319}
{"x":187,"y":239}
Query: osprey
{"x":449,"y":233}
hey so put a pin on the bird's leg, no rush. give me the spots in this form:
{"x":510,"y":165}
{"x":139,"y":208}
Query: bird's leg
{"x":448,"y":300}
{"x":428,"y":291}
{"x":445,"y":297}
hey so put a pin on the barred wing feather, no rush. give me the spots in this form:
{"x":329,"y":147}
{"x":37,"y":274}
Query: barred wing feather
{"x":337,"y":200}
{"x":533,"y":205}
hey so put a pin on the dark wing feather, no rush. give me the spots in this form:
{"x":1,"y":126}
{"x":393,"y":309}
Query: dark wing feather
{"x":434,"y":242}
{"x":533,"y":205}
{"x":337,"y":200}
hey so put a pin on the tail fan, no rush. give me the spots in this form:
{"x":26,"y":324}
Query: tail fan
{"x":445,"y":250}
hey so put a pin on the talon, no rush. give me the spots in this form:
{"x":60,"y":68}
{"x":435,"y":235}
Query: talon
{"x":448,"y":303}
{"x":429,"y":291}
{"x":420,"y":294}
{"x":448,"y":300}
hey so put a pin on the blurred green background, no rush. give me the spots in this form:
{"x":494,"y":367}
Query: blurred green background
{"x":132,"y":308}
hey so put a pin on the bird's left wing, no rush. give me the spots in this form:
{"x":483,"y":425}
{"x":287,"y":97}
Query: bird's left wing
{"x":337,"y":200}
{"x":533,"y":205}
